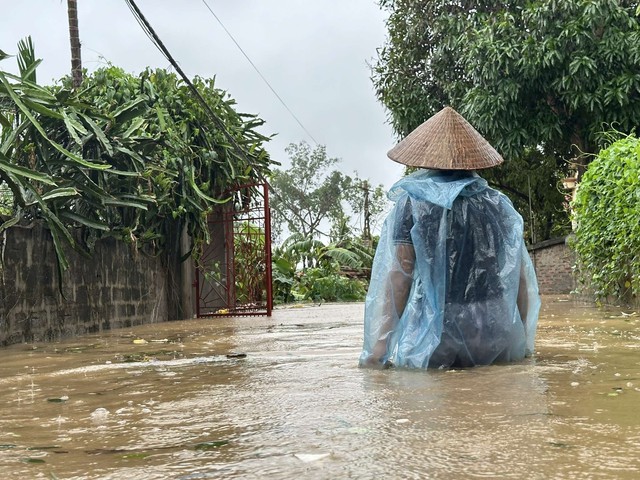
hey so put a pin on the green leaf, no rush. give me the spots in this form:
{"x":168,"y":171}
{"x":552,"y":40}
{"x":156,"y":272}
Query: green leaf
{"x":4,"y":122}
{"x":9,"y":141}
{"x":131,"y":110}
{"x":74,"y":217}
{"x":6,"y":165}
{"x":125,"y":203}
{"x":60,"y":192}
{"x":102,"y":138}
{"x":343,"y":256}
{"x":211,"y":445}
{"x":10,"y":223}
{"x":134,"y":127}
{"x":200,"y":193}
{"x":27,"y":62}
{"x":41,"y":109}
{"x":123,"y":173}
{"x":74,"y":127}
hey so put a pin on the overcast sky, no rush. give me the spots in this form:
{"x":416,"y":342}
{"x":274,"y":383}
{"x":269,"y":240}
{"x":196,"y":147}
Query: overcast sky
{"x":314,"y":53}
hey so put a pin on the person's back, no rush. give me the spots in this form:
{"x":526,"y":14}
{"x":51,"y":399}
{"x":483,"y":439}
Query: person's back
{"x":474,"y":330}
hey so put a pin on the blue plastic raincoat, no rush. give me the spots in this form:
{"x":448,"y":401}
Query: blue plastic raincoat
{"x":452,"y":283}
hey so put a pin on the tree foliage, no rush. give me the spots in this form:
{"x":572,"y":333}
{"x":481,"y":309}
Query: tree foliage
{"x":136,"y":157}
{"x":607,"y":209}
{"x":539,"y":79}
{"x":316,"y":200}
{"x":190,"y":165}
{"x":307,"y":198}
{"x":309,"y":192}
{"x":321,"y":277}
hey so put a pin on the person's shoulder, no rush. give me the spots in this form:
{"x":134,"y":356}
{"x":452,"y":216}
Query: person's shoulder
{"x":497,"y":195}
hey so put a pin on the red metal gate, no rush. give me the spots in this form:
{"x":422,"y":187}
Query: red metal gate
{"x":234,"y":273}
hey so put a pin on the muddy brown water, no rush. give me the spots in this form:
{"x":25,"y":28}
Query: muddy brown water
{"x":182,"y":401}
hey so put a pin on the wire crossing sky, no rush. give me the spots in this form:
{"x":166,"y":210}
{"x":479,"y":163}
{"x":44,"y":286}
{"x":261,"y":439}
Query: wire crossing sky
{"x":260,"y":73}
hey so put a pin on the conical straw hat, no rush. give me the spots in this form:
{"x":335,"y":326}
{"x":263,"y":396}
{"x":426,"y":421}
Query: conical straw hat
{"x":445,"y":142}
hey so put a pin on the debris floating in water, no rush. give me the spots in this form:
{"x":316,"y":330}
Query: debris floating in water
{"x":310,"y":457}
{"x":211,"y":445}
{"x":236,"y":355}
{"x":61,"y":399}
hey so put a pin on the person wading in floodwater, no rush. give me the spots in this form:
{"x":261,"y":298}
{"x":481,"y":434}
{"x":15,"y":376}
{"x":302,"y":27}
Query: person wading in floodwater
{"x":452,"y":282}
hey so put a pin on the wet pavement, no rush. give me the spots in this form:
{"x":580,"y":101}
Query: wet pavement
{"x":282,"y":397}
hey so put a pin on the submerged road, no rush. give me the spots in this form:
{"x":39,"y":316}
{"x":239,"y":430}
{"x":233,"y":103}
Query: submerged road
{"x":283,"y":398}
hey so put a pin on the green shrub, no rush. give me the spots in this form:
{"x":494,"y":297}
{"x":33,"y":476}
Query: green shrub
{"x":318,"y":285}
{"x":283,"y":275}
{"x":607,"y":213}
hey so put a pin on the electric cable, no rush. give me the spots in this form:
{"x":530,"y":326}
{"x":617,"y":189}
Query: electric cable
{"x":259,"y":72}
{"x":153,"y":36}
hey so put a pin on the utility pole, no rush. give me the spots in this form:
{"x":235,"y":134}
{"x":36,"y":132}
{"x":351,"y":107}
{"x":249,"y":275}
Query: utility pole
{"x":366,"y":233}
{"x":74,"y":37}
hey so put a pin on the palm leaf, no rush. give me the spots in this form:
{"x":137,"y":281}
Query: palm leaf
{"x":27,"y":62}
{"x":343,"y":257}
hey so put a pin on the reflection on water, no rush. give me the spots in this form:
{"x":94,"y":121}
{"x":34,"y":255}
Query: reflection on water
{"x":181,"y":401}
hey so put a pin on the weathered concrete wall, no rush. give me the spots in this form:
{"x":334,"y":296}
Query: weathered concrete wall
{"x":115,"y":287}
{"x":553,"y":261}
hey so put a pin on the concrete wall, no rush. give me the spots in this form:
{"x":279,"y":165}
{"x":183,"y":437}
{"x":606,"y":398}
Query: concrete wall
{"x":116,"y":287}
{"x":553,"y":261}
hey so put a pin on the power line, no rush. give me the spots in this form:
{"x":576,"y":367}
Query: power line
{"x":259,"y":72}
{"x":153,"y":36}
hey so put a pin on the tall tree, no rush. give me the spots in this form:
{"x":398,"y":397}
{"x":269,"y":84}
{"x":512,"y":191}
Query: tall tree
{"x":315,"y":201}
{"x":309,"y":193}
{"x":74,"y":38}
{"x":538,"y":79}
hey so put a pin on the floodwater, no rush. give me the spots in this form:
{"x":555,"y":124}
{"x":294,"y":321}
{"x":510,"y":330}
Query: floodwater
{"x":283,"y":398}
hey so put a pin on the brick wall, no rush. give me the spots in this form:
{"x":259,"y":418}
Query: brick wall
{"x":553,"y":261}
{"x":116,"y":287}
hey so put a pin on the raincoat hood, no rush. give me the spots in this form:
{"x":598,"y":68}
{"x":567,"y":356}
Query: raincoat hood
{"x":438,"y":187}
